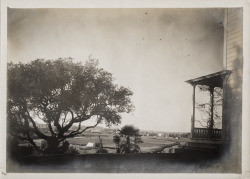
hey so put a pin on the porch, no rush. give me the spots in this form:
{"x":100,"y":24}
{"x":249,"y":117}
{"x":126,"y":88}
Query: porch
{"x":205,"y":133}
{"x":208,"y":134}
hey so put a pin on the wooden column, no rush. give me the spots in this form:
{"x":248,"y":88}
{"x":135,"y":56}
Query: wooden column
{"x":193,"y":117}
{"x":211,"y":123}
{"x":211,"y":126}
{"x":225,"y":130}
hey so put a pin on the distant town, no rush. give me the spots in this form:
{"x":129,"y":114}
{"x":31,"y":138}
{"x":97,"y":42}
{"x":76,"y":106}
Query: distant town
{"x":114,"y":130}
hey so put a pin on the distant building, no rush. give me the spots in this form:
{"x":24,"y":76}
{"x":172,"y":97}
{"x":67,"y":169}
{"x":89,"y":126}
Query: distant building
{"x":90,"y":144}
{"x":96,"y":131}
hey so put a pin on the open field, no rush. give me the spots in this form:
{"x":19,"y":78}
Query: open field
{"x":149,"y":143}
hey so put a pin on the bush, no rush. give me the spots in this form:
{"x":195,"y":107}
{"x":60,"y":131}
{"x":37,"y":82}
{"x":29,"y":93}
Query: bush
{"x":132,"y":139}
{"x":44,"y":145}
{"x":25,"y":150}
{"x":101,"y":151}
{"x":63,"y":148}
{"x":130,"y":149}
{"x":73,"y":151}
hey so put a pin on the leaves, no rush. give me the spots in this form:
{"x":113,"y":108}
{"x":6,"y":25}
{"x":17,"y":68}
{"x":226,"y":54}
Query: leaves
{"x":51,"y":90}
{"x":128,"y":132}
{"x":116,"y":139}
{"x":205,"y":108}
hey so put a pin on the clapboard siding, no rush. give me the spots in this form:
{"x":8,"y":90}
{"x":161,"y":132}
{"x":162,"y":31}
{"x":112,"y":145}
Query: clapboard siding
{"x":235,"y":31}
{"x":232,"y":51}
{"x":233,"y":103}
{"x":233,"y":18}
{"x":233,"y":45}
{"x":235,"y":34}
{"x":234,"y":37}
{"x":236,"y":41}
{"x":234,"y":12}
{"x":234,"y":27}
{"x":234,"y":24}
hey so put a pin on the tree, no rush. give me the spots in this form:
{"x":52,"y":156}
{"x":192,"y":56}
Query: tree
{"x":62,"y":95}
{"x":211,"y":115}
{"x":130,"y":132}
{"x":99,"y":145}
{"x":117,"y":140}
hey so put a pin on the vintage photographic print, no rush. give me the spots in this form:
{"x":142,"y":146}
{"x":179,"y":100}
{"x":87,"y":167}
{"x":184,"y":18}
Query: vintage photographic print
{"x":124,"y":90}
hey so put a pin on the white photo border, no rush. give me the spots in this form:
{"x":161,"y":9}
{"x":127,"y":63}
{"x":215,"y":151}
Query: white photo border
{"x":129,"y":4}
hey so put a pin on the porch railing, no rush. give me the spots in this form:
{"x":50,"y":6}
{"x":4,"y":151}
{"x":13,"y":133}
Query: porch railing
{"x":204,"y":133}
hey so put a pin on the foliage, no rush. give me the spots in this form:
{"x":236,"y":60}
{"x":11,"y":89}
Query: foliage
{"x":63,"y":148}
{"x":131,"y":148}
{"x":117,"y":140}
{"x":129,"y":130}
{"x":62,"y":95}
{"x":132,"y":139}
{"x":72,"y":151}
{"x":25,"y":150}
{"x":207,"y":109}
{"x":101,"y":151}
{"x":99,"y":145}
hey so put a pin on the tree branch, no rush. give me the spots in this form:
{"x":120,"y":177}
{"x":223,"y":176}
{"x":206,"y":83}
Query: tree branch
{"x":64,"y":119}
{"x":200,"y":123}
{"x":75,"y":120}
{"x":50,"y":129}
{"x":36,"y":130}
{"x":72,"y":134}
{"x":33,"y":143}
{"x":29,"y":139}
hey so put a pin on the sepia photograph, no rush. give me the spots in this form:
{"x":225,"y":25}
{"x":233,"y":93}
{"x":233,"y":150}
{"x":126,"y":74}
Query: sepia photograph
{"x":124,"y":90}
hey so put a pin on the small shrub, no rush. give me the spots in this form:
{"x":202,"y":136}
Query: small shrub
{"x":44,"y":145}
{"x":101,"y":151}
{"x":25,"y":150}
{"x":100,"y":147}
{"x":73,"y":151}
{"x":130,"y":149}
{"x":63,"y":148}
{"x":97,"y":144}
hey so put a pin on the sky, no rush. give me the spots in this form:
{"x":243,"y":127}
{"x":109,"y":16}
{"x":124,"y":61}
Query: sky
{"x":151,"y":51}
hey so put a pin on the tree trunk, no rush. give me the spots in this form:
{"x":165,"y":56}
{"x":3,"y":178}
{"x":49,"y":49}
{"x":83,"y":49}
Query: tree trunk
{"x":53,"y":144}
{"x":128,"y":142}
{"x":35,"y":146}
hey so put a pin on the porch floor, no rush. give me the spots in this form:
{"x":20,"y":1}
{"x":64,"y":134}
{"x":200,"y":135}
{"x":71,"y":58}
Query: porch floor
{"x":205,"y":145}
{"x":205,"y":141}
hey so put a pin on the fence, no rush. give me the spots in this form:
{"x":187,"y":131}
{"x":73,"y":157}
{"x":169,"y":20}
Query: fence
{"x":205,"y":133}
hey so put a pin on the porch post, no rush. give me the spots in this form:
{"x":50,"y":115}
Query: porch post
{"x":211,"y":124}
{"x":193,"y":117}
{"x":225,"y":125}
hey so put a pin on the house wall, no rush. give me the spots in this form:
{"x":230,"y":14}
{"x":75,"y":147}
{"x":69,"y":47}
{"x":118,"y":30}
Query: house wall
{"x":233,"y":60}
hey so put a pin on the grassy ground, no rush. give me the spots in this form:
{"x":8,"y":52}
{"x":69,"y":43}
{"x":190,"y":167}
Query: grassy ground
{"x":149,"y":143}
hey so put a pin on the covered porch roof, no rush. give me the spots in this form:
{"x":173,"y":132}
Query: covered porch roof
{"x":214,"y":79}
